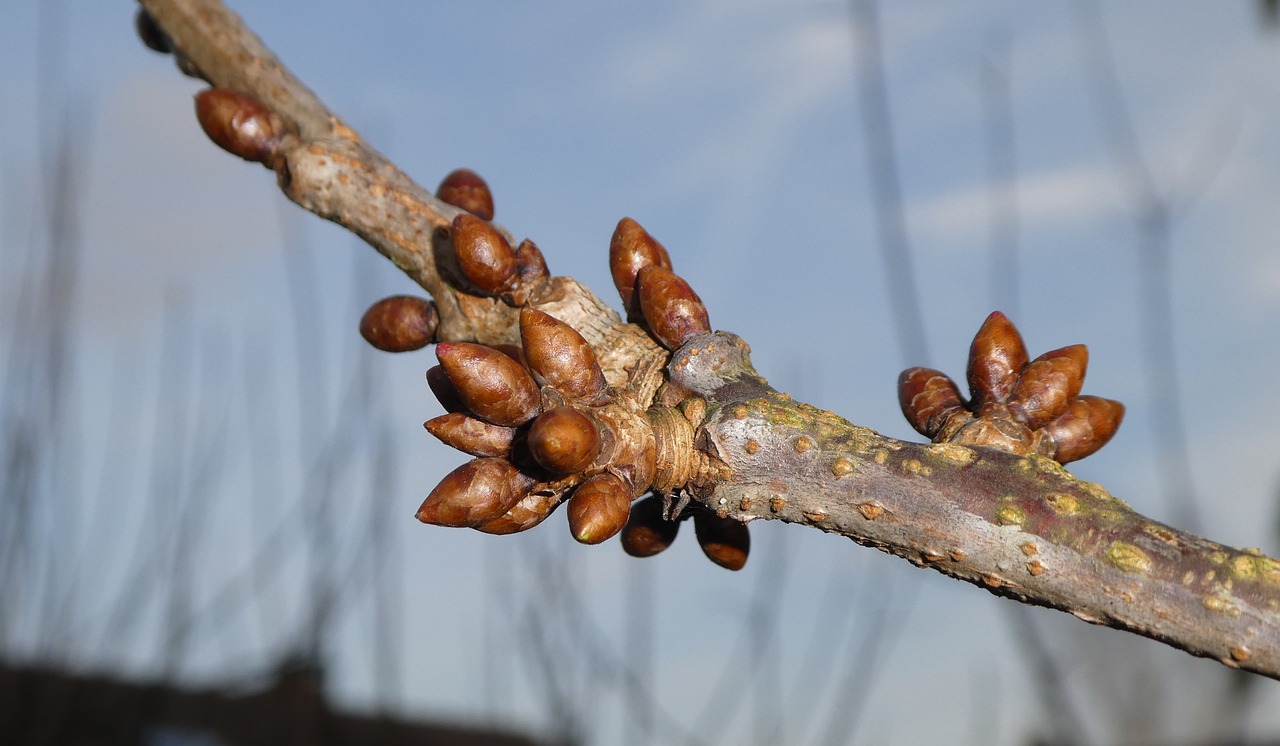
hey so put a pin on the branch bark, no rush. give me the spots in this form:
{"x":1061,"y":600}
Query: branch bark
{"x":1021,"y":527}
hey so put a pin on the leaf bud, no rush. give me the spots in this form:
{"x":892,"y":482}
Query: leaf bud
{"x":1048,"y":383}
{"x":484,"y":256}
{"x":478,"y":491}
{"x":239,"y":123}
{"x":531,"y":265}
{"x":150,"y":32}
{"x":672,"y":310}
{"x":559,"y":357}
{"x":400,"y":323}
{"x":493,"y":386}
{"x":647,"y":531}
{"x":444,"y":390}
{"x":464,"y":188}
{"x":996,"y":359}
{"x":564,"y":441}
{"x":476,"y":437}
{"x":725,"y":541}
{"x":1088,"y":424}
{"x":631,"y":250}
{"x":599,"y":508}
{"x":928,"y":399}
{"x":524,"y":515}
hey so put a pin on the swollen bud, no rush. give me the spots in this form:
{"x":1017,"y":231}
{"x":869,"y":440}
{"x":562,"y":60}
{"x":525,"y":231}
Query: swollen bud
{"x":1086,"y":425}
{"x":484,"y":256}
{"x":1048,"y":383}
{"x":631,"y":250}
{"x":928,"y":399}
{"x":672,"y":310}
{"x":478,"y":491}
{"x":493,"y":386}
{"x":531,"y":265}
{"x":725,"y":541}
{"x":476,"y":437}
{"x":524,"y":515}
{"x":239,"y":123}
{"x":647,"y":532}
{"x":464,"y":188}
{"x":599,"y":508}
{"x":446,"y":393}
{"x":400,"y":323}
{"x":564,"y":441}
{"x":559,"y":357}
{"x":150,"y":32}
{"x":996,"y":359}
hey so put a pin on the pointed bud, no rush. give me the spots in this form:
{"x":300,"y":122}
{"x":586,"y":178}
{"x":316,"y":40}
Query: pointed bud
{"x":1048,"y":383}
{"x":484,"y":256}
{"x":531,"y":266}
{"x":1086,"y":425}
{"x":631,"y":250}
{"x":151,"y":33}
{"x":647,"y":532}
{"x":672,"y":310}
{"x":559,"y":357}
{"x":400,"y":323}
{"x":444,"y":390}
{"x":599,"y":508}
{"x":725,"y":541}
{"x":239,"y":123}
{"x":493,"y":387}
{"x":996,"y":357}
{"x":478,"y":491}
{"x":526,"y":514}
{"x":468,"y":434}
{"x":928,"y":399}
{"x":564,"y":441}
{"x":464,"y":188}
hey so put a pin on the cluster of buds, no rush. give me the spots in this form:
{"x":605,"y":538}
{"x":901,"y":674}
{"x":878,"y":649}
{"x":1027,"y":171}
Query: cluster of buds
{"x":1016,"y":405}
{"x":651,"y":293}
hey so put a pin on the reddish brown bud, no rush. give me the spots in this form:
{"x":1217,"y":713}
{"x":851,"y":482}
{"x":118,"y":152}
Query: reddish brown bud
{"x":1086,"y":425}
{"x":599,"y":508}
{"x":464,"y":188}
{"x":400,"y":323}
{"x":524,"y":515}
{"x":478,"y":491}
{"x":996,"y":357}
{"x":672,"y":310}
{"x":564,"y":441}
{"x":631,"y":250}
{"x":531,"y":266}
{"x":239,"y":123}
{"x":647,"y":532}
{"x":1048,"y":383}
{"x":928,"y":399}
{"x":559,"y":357}
{"x":484,"y":256}
{"x":493,"y":387}
{"x":725,"y":541}
{"x":465,"y":433}
{"x":444,"y":390}
{"x":150,"y":32}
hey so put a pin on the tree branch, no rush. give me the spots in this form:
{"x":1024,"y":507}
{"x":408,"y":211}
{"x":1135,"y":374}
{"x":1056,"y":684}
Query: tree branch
{"x":1021,"y":527}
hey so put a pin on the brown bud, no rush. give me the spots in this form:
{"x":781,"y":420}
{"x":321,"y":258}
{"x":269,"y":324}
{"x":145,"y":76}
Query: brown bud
{"x":493,"y":387}
{"x":564,"y":441}
{"x":928,"y":399}
{"x":465,"y":433}
{"x":151,"y":33}
{"x":672,"y":310}
{"x":531,"y":266}
{"x":484,"y":256}
{"x":647,"y":532}
{"x":239,"y":123}
{"x":478,"y":491}
{"x":400,"y":323}
{"x":996,"y":358}
{"x":1048,"y":383}
{"x":524,"y":515}
{"x":725,"y":541}
{"x":559,"y":357}
{"x":631,"y":250}
{"x":599,"y":508}
{"x":464,"y":188}
{"x":1086,"y":425}
{"x":446,"y":393}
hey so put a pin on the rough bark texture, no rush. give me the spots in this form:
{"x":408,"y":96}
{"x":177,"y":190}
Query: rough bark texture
{"x":1022,"y":527}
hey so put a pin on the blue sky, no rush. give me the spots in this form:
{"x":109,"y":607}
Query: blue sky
{"x":731,"y":131}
